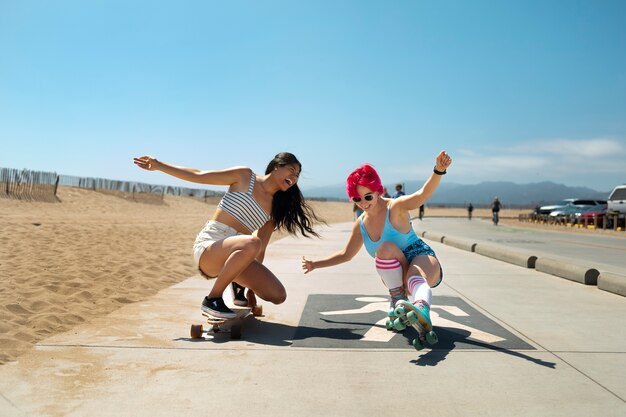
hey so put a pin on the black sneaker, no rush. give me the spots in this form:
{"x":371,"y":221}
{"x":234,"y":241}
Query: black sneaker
{"x":239,"y":298}
{"x":216,"y":308}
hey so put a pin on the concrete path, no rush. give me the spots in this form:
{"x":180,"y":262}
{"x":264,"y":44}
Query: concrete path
{"x":513,"y":342}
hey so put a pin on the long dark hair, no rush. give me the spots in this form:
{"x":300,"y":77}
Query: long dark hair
{"x":289,"y":209}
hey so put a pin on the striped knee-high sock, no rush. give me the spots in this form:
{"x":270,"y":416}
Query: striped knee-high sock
{"x":419,"y":289}
{"x":390,"y":271}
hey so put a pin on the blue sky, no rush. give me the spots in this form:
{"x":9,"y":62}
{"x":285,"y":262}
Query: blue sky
{"x":522,"y":91}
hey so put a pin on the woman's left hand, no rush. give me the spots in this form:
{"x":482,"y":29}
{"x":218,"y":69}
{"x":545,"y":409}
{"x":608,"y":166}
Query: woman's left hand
{"x":443,"y":161}
{"x":307,"y":265}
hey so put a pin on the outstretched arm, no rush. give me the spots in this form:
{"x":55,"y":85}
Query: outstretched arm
{"x":351,"y":249}
{"x":216,"y":177}
{"x":413,"y":201}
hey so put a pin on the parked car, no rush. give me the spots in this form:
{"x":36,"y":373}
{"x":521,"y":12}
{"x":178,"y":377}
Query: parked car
{"x":549,"y":209}
{"x":617,"y":199}
{"x":595,"y":216}
{"x":578,"y":206}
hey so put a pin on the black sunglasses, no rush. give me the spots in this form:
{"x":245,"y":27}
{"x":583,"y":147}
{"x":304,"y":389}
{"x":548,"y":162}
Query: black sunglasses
{"x":367,"y":197}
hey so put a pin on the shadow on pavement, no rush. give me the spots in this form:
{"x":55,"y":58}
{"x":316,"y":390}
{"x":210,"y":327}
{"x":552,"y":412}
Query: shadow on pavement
{"x":275,"y":334}
{"x":281,"y":335}
{"x":448,"y":339}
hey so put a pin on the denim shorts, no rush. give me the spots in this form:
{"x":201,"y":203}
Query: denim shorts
{"x":211,"y":232}
{"x":421,"y":248}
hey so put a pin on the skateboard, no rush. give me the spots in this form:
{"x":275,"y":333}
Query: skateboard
{"x":403,"y":316}
{"x":233,"y":325}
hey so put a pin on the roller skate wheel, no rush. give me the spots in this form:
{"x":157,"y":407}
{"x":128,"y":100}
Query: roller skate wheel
{"x":400,"y":311}
{"x":412,"y":318}
{"x":399,"y":325}
{"x":417,"y":344}
{"x":389,"y":324}
{"x":431,"y":337}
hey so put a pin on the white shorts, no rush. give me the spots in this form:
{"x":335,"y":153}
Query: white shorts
{"x":211,"y":232}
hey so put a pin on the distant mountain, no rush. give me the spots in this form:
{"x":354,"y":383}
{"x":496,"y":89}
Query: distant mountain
{"x":481,"y":194}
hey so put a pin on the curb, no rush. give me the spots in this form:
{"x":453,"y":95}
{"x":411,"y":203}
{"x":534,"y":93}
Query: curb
{"x":608,"y":281}
{"x":514,"y":257}
{"x":434,"y":236}
{"x":564,"y":268}
{"x":573,"y":272}
{"x":460,"y":243}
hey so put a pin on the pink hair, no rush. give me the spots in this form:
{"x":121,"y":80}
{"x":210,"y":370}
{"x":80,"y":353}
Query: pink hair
{"x":366,"y":176}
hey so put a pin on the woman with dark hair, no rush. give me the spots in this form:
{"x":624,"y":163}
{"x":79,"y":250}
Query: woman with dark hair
{"x":407,"y":266}
{"x":231,"y":246}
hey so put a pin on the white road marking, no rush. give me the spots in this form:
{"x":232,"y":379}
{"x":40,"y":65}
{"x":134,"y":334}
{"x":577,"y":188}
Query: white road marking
{"x":379,"y":333}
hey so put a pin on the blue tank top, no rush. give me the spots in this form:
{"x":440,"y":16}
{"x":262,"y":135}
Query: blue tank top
{"x":390,"y":234}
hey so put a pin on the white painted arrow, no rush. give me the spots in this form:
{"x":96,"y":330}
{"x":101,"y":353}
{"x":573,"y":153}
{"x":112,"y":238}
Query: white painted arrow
{"x":379,"y":333}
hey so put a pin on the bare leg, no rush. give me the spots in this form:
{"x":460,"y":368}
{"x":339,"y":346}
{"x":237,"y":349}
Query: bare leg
{"x":262,"y":282}
{"x":233,"y":259}
{"x":227,"y":258}
{"x":425,"y":266}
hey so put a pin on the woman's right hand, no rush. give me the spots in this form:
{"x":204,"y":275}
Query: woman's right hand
{"x":146,"y":162}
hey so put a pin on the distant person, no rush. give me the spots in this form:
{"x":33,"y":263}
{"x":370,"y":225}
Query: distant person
{"x":406,"y":264}
{"x":470,"y":209}
{"x":385,"y":193}
{"x":231,"y":246}
{"x":398,"y":192}
{"x":495,"y":210}
{"x":421,"y":212}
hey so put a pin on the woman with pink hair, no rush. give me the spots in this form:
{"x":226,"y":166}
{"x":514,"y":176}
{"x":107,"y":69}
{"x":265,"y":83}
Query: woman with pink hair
{"x":407,"y":266}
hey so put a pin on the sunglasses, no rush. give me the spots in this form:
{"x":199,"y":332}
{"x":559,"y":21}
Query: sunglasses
{"x":367,"y":197}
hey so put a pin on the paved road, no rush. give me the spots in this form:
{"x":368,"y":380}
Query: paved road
{"x":598,"y":251}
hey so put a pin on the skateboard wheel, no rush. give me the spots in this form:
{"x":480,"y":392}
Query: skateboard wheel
{"x":196,"y":331}
{"x":257,"y":310}
{"x":431,"y":337}
{"x":389,"y":324}
{"x":412,"y":318}
{"x":235,"y":332}
{"x":399,"y":325}
{"x":417,"y":344}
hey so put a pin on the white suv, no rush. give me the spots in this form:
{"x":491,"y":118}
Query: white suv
{"x":617,"y":199}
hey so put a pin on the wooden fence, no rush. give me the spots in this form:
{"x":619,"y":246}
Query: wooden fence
{"x":28,"y":185}
{"x":43,"y":186}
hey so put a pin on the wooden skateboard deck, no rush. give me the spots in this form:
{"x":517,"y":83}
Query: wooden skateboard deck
{"x":222,"y":325}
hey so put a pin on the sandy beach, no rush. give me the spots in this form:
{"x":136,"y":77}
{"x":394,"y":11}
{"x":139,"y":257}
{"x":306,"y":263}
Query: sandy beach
{"x":65,"y":263}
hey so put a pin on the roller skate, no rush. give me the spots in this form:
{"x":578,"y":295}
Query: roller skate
{"x":397,"y":294}
{"x":418,"y":316}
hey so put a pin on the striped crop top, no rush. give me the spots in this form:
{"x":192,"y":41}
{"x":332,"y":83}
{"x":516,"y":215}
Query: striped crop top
{"x":244,"y":208}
